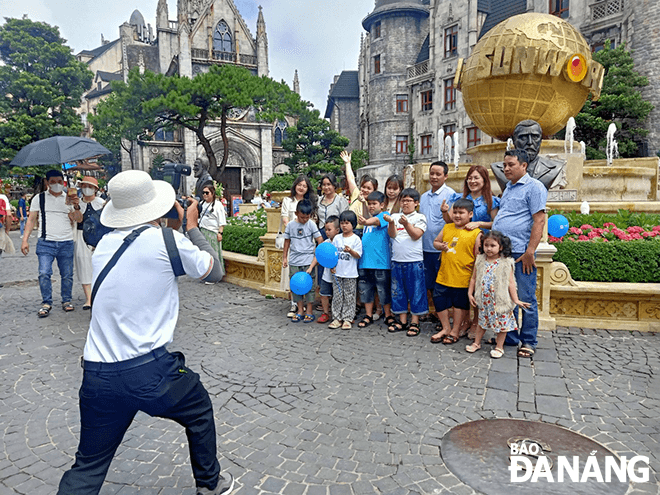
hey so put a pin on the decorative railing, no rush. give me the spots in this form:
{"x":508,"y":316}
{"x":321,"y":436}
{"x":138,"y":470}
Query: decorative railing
{"x":248,"y":59}
{"x":418,"y":70}
{"x":231,"y":57}
{"x":224,"y":56}
{"x":605,"y":9}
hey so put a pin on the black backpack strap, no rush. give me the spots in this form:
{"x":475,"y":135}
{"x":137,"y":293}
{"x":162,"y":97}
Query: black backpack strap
{"x":42,"y":199}
{"x":113,"y":261}
{"x":173,"y":252}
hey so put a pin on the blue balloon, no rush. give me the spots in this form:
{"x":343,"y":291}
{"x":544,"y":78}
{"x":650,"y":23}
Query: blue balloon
{"x":301,"y":283}
{"x":327,"y":255}
{"x":557,"y":225}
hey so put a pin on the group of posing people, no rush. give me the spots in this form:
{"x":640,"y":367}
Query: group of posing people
{"x":462,"y":249}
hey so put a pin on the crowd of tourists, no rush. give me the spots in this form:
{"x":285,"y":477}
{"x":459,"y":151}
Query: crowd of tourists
{"x":397,"y":249}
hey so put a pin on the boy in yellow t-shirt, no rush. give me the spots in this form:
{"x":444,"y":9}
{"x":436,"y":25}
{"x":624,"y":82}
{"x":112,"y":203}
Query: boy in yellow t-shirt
{"x":459,"y":248}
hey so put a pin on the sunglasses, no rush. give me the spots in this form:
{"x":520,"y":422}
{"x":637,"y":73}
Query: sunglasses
{"x":206,"y":192}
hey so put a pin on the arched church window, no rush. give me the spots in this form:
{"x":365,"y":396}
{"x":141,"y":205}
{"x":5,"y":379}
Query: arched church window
{"x":222,"y":38}
{"x":280,"y":132}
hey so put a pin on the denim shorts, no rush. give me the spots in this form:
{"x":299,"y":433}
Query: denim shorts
{"x":372,"y":280}
{"x":408,"y":287}
{"x":325,"y":288}
{"x":431,"y":267}
{"x":450,"y":297}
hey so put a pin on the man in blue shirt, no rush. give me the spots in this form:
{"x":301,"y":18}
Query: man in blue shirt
{"x":22,"y":212}
{"x":430,"y":205}
{"x":522,"y":217}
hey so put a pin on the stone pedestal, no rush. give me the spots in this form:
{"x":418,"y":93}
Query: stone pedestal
{"x":272,"y":256}
{"x":245,"y":208}
{"x":544,"y":254}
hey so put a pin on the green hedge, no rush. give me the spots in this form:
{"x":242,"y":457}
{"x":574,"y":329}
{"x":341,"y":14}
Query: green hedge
{"x":617,"y":261}
{"x":243,"y":240}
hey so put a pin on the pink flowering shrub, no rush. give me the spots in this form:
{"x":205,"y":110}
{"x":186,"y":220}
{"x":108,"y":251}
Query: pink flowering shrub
{"x":609,"y":232}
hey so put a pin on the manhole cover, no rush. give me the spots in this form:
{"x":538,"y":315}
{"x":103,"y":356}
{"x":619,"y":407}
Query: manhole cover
{"x":480,"y":454}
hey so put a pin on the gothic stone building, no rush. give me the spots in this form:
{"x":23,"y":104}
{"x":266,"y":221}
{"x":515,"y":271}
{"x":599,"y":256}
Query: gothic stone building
{"x":403,"y":91}
{"x":205,"y":32}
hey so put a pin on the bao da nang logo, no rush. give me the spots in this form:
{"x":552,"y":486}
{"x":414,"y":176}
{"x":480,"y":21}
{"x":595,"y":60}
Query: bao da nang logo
{"x":532,"y":461}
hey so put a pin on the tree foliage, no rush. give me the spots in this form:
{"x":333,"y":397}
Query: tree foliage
{"x":150,"y":101}
{"x":620,"y":102}
{"x":314,"y":146}
{"x":41,"y":84}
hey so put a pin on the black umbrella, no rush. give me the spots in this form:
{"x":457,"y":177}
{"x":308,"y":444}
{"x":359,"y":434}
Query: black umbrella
{"x":58,"y":149}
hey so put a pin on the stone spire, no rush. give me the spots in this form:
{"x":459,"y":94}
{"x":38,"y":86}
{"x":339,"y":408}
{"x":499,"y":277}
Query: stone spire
{"x":162,"y":15}
{"x":261,"y":24}
{"x":296,"y":83}
{"x":262,"y":45}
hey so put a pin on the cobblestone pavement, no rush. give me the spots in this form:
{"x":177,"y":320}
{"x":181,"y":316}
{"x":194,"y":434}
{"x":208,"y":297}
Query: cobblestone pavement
{"x":301,"y":409}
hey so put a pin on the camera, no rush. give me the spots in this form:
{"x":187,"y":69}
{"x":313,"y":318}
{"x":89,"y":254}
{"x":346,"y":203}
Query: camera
{"x":171,"y":173}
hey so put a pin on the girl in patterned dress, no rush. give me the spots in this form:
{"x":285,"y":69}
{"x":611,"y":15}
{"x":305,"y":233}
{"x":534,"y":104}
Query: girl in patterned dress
{"x":493,"y":290}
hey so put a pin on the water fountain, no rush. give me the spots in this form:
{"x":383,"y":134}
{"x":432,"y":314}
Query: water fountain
{"x":441,"y":144}
{"x":611,"y":144}
{"x":448,"y":143}
{"x":570,"y":132}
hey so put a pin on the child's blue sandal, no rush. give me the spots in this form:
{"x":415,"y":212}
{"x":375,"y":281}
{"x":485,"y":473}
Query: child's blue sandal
{"x":297,"y":318}
{"x":309,"y":319}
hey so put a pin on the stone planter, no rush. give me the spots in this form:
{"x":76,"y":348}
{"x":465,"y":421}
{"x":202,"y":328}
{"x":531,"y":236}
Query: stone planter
{"x":279,"y":195}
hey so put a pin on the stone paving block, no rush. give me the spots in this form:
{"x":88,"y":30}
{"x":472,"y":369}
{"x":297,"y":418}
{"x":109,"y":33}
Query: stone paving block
{"x":553,"y":406}
{"x":545,"y":368}
{"x":499,"y":399}
{"x":551,"y":386}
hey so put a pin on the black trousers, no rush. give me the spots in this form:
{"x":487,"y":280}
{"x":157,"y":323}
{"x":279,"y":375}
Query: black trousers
{"x":111,"y":395}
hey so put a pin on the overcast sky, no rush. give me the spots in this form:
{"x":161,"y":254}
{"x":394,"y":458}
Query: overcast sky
{"x":320,"y":38}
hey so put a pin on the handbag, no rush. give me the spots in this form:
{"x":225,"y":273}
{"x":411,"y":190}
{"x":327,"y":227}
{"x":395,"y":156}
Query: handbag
{"x":279,"y":239}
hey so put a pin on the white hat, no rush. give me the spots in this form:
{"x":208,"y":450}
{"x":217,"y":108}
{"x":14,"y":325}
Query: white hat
{"x":136,"y":199}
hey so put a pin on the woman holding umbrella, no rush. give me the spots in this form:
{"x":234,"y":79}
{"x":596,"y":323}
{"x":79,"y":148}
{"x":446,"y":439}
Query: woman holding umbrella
{"x":82,"y":258}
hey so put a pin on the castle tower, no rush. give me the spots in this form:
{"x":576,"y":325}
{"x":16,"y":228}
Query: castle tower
{"x":262,"y":45}
{"x":396,"y":30}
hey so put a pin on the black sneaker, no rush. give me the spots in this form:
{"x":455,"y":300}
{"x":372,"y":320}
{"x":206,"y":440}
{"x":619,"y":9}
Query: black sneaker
{"x":225,"y":487}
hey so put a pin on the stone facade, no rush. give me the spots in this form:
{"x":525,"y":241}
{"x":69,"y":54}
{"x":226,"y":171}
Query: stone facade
{"x":417,"y":44}
{"x":204,"y":33}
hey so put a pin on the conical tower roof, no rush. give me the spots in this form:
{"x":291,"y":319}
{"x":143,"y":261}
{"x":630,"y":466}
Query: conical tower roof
{"x":384,"y":7}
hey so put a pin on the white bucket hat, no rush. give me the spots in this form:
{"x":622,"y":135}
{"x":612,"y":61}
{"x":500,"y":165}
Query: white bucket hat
{"x":136,"y":199}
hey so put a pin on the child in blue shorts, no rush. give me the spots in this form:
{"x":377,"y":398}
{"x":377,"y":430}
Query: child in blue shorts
{"x":408,"y":282}
{"x":374,"y":265}
{"x":300,"y":239}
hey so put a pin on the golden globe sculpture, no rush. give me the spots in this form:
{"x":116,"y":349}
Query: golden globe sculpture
{"x":530,"y":66}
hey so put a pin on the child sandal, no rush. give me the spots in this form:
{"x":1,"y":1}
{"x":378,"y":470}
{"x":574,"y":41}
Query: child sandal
{"x":309,"y":319}
{"x":296,"y":318}
{"x":413,"y":330}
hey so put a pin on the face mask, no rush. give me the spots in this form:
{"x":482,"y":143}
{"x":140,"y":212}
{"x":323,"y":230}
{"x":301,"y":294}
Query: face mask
{"x":56,"y":188}
{"x":88,"y":191}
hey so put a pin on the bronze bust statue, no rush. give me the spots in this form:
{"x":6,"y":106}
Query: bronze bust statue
{"x":528,"y":136}
{"x":201,"y":171}
{"x":248,"y":189}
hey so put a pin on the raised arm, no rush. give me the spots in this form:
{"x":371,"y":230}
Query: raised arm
{"x":350,"y":176}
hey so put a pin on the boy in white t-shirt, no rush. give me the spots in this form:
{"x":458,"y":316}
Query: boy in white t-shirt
{"x":344,"y":297}
{"x":408,"y":286}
